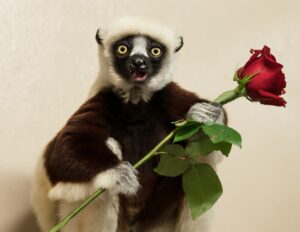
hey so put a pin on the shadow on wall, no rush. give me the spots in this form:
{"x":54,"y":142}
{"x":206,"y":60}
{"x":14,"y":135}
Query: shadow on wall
{"x":26,"y":223}
{"x":18,"y":216}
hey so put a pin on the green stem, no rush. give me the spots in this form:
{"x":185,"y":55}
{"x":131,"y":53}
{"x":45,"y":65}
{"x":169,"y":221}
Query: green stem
{"x":152,"y":152}
{"x":229,"y":96}
{"x":96,"y":194}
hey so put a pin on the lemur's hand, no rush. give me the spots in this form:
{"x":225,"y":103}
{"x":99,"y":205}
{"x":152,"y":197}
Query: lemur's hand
{"x":206,"y":112}
{"x":123,"y":179}
{"x":127,"y":182}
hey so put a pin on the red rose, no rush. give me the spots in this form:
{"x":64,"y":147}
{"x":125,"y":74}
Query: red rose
{"x":268,"y":82}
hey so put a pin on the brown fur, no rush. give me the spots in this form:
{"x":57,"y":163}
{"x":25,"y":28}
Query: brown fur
{"x":78,"y":152}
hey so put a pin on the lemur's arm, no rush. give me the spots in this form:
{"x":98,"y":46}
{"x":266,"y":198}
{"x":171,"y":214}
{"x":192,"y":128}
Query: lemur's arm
{"x":83,"y":157}
{"x":180,"y":104}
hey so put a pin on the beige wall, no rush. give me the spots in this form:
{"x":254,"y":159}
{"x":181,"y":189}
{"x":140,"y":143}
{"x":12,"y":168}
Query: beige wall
{"x":48,"y":60}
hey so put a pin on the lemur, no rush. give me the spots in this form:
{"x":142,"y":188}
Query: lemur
{"x":128,"y":112}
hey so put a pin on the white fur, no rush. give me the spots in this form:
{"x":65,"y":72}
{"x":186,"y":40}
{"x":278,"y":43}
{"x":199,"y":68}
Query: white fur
{"x":106,"y":179}
{"x":79,"y":191}
{"x":140,"y":26}
{"x":206,"y":112}
{"x":122,"y":179}
{"x":114,"y":146}
{"x":185,"y":222}
{"x":139,"y":46}
{"x":135,"y":26}
{"x":134,"y":94}
{"x":45,"y":210}
{"x":71,"y":191}
{"x":102,"y":79}
{"x":100,"y":216}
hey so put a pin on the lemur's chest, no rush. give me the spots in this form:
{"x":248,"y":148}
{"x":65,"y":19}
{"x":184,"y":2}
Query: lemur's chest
{"x":138,"y":128}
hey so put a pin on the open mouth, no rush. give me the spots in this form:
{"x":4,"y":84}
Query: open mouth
{"x":138,"y":76}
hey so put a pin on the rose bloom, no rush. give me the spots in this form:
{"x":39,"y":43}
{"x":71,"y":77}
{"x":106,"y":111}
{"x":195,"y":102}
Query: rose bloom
{"x":268,"y":82}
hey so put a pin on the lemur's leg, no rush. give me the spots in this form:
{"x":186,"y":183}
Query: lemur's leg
{"x":100,"y":216}
{"x":185,"y":223}
{"x":45,"y":210}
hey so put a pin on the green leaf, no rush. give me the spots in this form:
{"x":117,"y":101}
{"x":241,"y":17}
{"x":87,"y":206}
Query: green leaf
{"x":186,"y":131}
{"x":203,"y":146}
{"x":245,"y":80}
{"x":171,"y":166}
{"x":202,"y":188}
{"x":235,"y":76}
{"x":173,"y":149}
{"x":224,"y":147}
{"x":244,"y":92}
{"x":221,"y":133}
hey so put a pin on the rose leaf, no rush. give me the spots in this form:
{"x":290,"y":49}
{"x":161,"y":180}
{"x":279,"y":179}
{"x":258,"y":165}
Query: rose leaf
{"x":202,"y":188}
{"x":186,"y":131}
{"x":221,"y":133}
{"x":171,"y":166}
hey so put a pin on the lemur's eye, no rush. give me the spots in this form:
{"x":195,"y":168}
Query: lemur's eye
{"x":156,"y":51}
{"x":122,"y":50}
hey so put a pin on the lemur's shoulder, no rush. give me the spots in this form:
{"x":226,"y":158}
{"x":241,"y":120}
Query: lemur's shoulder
{"x":177,"y":100}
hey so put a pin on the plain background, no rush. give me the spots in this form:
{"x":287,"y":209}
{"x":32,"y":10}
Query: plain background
{"x":49,"y":60}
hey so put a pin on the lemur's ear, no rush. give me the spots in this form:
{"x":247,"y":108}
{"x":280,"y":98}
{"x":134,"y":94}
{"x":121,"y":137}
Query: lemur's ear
{"x":180,"y":44}
{"x":98,"y":37}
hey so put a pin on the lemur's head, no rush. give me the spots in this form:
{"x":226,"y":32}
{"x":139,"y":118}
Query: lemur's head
{"x":138,"y":53}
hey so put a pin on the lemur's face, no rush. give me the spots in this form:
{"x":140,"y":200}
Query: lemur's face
{"x":138,"y":58}
{"x":137,"y":55}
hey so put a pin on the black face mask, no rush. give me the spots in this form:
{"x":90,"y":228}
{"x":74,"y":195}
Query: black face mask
{"x":138,"y":68}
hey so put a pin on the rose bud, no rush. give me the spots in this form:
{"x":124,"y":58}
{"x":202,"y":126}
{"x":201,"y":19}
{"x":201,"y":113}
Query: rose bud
{"x":266,"y":80}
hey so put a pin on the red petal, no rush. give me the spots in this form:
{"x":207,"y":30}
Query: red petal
{"x":253,"y":57}
{"x":272,"y":81}
{"x":266,"y":52}
{"x":253,"y":64}
{"x":239,"y":72}
{"x":267,"y":98}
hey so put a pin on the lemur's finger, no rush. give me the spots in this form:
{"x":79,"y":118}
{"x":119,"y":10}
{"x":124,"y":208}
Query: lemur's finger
{"x":215,"y":107}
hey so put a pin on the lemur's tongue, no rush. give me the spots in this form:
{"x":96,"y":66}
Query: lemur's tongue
{"x":138,"y":75}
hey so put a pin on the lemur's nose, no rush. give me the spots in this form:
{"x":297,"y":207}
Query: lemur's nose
{"x":139,"y":63}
